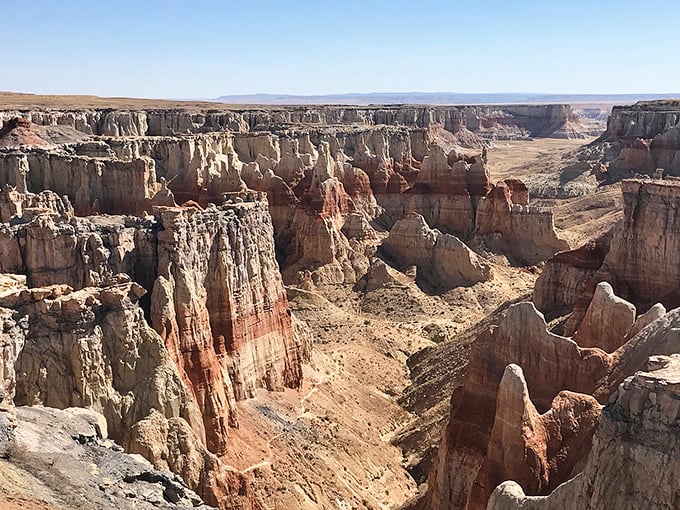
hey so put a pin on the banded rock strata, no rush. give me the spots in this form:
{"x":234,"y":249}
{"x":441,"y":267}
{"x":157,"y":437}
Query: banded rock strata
{"x":215,"y":294}
{"x":633,"y":462}
{"x":533,"y":422}
{"x":640,"y":139}
{"x":380,"y":164}
{"x":92,"y":348}
{"x":638,"y":258}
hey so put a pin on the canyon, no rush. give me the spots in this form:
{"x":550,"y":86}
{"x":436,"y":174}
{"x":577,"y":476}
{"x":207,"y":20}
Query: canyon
{"x":253,"y":307}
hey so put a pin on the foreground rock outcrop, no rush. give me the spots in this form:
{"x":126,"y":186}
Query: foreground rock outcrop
{"x":215,"y":293}
{"x":69,"y":460}
{"x":93,"y":349}
{"x":505,"y":420}
{"x":633,"y":463}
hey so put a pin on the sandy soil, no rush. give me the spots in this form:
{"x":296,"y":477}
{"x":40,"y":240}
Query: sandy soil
{"x":520,"y":158}
{"x":537,"y":162}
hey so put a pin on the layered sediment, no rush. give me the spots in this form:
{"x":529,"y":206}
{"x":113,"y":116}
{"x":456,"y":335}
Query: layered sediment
{"x":162,"y":317}
{"x":643,"y":138}
{"x":92,"y":348}
{"x":510,"y":121}
{"x":633,"y":463}
{"x":505,"y":419}
{"x":638,"y":258}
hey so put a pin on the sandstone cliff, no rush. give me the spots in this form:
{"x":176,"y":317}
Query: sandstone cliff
{"x":640,"y":139}
{"x":93,"y":349}
{"x":325,"y":185}
{"x":503,"y":122}
{"x":639,"y":258}
{"x":520,"y":423}
{"x":216,"y":296}
{"x":219,"y":304}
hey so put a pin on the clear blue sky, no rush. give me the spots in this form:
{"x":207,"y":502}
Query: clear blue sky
{"x":203,"y":48}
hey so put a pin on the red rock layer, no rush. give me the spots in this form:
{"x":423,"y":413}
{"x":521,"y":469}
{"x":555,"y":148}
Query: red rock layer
{"x":218,"y":299}
{"x":550,"y":364}
{"x":535,"y":449}
{"x":568,"y":275}
{"x":219,"y":304}
{"x":493,"y":435}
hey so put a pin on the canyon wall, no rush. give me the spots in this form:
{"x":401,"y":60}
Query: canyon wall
{"x":633,"y":463}
{"x":90,"y":203}
{"x":639,"y":258}
{"x":503,"y":122}
{"x":215,"y":293}
{"x":219,"y":313}
{"x":328,"y":187}
{"x":92,"y":348}
{"x":528,"y":407}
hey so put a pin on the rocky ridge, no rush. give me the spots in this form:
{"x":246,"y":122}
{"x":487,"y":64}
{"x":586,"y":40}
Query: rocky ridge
{"x":92,"y":349}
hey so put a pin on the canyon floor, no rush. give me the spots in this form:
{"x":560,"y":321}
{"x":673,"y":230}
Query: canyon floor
{"x":384,"y":363}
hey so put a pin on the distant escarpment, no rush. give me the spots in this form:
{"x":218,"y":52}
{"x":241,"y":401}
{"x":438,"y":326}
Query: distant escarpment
{"x":501,"y":122}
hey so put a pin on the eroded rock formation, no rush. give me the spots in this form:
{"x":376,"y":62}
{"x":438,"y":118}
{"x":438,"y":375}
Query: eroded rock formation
{"x":608,"y":320}
{"x":325,"y":185}
{"x":442,"y":260}
{"x":98,"y":201}
{"x":639,"y":258}
{"x":640,"y":139}
{"x":219,"y":304}
{"x":525,"y":231}
{"x":501,"y":122}
{"x":92,"y":348}
{"x":216,"y":296}
{"x":491,"y":412}
{"x":633,"y":463}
